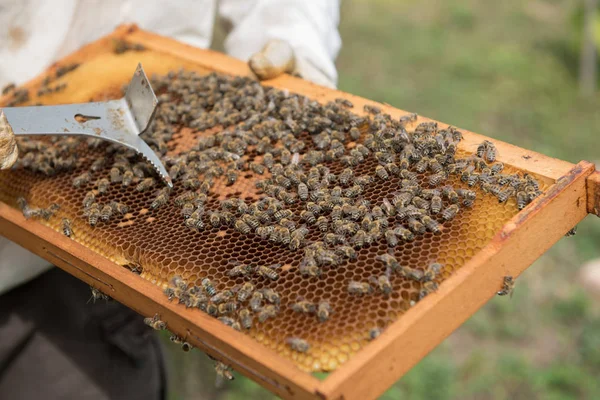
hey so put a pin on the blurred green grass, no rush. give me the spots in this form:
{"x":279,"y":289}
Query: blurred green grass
{"x":506,"y":69}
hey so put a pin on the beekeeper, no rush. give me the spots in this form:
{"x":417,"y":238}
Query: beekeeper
{"x":54,"y":344}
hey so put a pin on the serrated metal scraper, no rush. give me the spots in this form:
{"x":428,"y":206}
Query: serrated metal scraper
{"x":119,"y":121}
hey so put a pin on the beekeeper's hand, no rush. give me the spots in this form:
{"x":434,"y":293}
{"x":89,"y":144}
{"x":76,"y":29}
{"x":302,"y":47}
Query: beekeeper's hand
{"x":8,"y":144}
{"x":277,"y":57}
{"x":293,"y":36}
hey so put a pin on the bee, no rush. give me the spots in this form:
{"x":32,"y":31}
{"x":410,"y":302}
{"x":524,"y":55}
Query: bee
{"x":416,"y":226}
{"x":389,"y":261}
{"x":97,"y":295}
{"x":93,"y":214}
{"x":208,"y":286}
{"x":268,"y":272}
{"x":482,"y":148}
{"x":571,"y":232}
{"x":450,"y":212}
{"x":257,"y":168}
{"x":223,"y":371}
{"x":359,"y":239}
{"x":346,"y":251}
{"x":255,"y":302}
{"x":115,"y":175}
{"x":322,"y":223}
{"x":388,"y":208}
{"x":346,"y":176}
{"x":89,"y":199}
{"x":127,"y":178}
{"x":271,"y":296}
{"x":420,"y":203}
{"x":522,"y":200}
{"x":505,"y":194}
{"x":187,"y":210}
{"x":215,"y":219}
{"x":431,"y":224}
{"x":98,"y":164}
{"x":354,"y":133}
{"x":427,"y":288}
{"x":432,"y":271}
{"x":240,"y":270}
{"x":245,"y":292}
{"x":227,"y":321}
{"x":297,"y":238}
{"x":245,"y":318}
{"x":221,"y":297}
{"x":106,"y":212}
{"x":383,"y":283}
{"x":194,"y":183}
{"x":227,"y":308}
{"x":242,"y":227}
{"x":145,"y":184}
{"x":404,"y":234}
{"x":195,"y":298}
{"x":231,"y":176}
{"x":497,"y":168}
{"x":450,"y":194}
{"x":309,"y":268}
{"x":436,"y":204}
{"x":359,"y":288}
{"x":102,"y":185}
{"x":303,"y":306}
{"x":490,"y":152}
{"x":422,"y":165}
{"x":212,"y":310}
{"x":302,"y":191}
{"x":297,"y":344}
{"x":391,"y":238}
{"x":436,"y":179}
{"x":194,"y":223}
{"x":47,"y":213}
{"x":82,"y":179}
{"x":155,"y":323}
{"x":161,"y":198}
{"x":374,"y":333}
{"x":323,"y":311}
{"x":185,"y":346}
{"x":185,"y":197}
{"x":66,"y":227}
{"x":381,"y":173}
{"x":268,"y":311}
{"x":508,"y":286}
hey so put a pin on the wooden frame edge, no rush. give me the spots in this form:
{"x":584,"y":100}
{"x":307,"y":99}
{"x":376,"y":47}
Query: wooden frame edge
{"x":593,"y":193}
{"x":214,"y":338}
{"x":370,"y":372}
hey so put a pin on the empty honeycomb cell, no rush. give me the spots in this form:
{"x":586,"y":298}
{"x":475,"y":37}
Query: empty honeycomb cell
{"x":157,"y":243}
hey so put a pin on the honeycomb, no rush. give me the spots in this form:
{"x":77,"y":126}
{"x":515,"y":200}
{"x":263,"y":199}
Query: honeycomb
{"x":157,"y":244}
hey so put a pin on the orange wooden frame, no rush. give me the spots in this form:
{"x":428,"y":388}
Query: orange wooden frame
{"x":575,"y":192}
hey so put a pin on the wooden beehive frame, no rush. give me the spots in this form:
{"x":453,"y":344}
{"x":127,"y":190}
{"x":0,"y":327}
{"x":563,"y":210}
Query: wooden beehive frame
{"x":575,"y":191}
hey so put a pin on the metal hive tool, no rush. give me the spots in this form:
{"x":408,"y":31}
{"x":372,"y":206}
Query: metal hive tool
{"x":119,"y":121}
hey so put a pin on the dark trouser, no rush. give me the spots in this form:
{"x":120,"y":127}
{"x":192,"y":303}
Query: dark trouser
{"x":54,"y":344}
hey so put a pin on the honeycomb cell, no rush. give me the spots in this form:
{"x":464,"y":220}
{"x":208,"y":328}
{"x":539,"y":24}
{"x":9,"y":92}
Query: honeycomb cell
{"x":157,"y":244}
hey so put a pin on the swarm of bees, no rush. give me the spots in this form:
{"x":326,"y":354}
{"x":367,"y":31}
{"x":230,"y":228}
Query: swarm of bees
{"x":237,"y":307}
{"x":314,"y":167}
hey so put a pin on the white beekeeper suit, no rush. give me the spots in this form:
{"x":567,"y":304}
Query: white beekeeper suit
{"x":37,"y":33}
